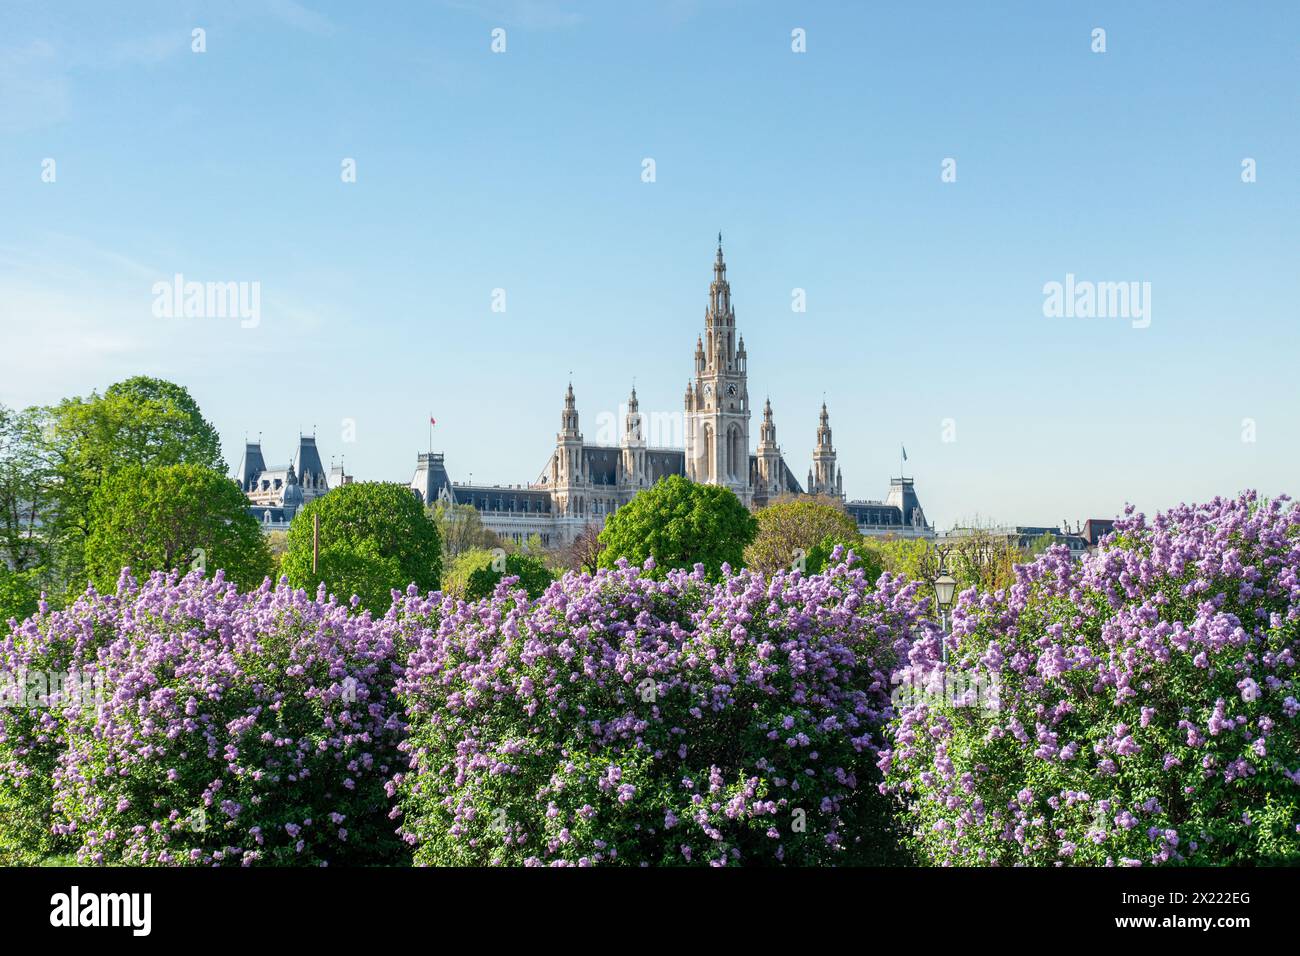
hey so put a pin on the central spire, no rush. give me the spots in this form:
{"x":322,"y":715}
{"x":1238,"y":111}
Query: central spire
{"x":717,"y":404}
{"x":719,"y":311}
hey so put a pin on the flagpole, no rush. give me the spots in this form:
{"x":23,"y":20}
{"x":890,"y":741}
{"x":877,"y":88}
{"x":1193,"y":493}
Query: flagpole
{"x":431,"y":433}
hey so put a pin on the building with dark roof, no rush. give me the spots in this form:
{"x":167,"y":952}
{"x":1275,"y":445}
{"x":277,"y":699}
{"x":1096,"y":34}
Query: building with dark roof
{"x":582,"y":483}
{"x":899,"y":515}
{"x":276,"y":493}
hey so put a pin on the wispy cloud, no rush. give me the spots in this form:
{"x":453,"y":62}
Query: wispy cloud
{"x":294,"y":14}
{"x":75,"y":315}
{"x":34,"y":90}
{"x":38,"y":78}
{"x":140,"y":51}
{"x":525,"y":14}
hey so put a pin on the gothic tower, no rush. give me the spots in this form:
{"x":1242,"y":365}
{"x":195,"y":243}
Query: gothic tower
{"x":717,"y":403}
{"x":633,"y":451}
{"x":567,"y":477}
{"x":824,"y":479}
{"x":769,"y":456}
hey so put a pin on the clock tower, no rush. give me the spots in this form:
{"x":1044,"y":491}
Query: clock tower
{"x":717,"y":401}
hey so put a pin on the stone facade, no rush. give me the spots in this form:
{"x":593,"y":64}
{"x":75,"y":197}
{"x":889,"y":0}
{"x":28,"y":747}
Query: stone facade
{"x":276,"y":494}
{"x":582,"y":483}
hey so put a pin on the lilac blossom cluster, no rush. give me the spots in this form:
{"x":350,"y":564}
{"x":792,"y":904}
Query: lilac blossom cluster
{"x":237,"y":729}
{"x":32,"y":726}
{"x":1149,"y":707}
{"x":619,"y":719}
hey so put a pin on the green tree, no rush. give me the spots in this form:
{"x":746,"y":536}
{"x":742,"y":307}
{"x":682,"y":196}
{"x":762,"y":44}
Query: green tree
{"x":278,"y":543}
{"x":358,"y":569}
{"x":789,"y":529}
{"x":911,"y":558}
{"x":374,"y":536}
{"x":26,"y":488}
{"x":141,"y":422}
{"x":18,"y":597}
{"x":461,"y":529}
{"x":174,"y":517}
{"x":583,"y":553}
{"x":475,"y":574}
{"x":983,"y":557}
{"x":679,"y":524}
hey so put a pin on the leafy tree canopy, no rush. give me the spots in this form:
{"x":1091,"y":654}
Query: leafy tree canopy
{"x":475,"y":574}
{"x":374,"y":536}
{"x":18,"y":597}
{"x":173,"y":517}
{"x":790,"y":529}
{"x":679,"y":523}
{"x":141,"y":422}
{"x":26,"y":488}
{"x":461,"y":529}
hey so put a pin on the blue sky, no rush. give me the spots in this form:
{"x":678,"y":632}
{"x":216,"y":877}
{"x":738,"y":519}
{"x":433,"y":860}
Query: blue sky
{"x":522,"y":171}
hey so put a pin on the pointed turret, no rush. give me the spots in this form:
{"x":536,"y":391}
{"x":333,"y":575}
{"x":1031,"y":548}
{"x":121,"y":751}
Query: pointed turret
{"x":567,"y":475}
{"x":824,"y":480}
{"x":569,"y":417}
{"x":719,"y":312}
{"x":633,"y":455}
{"x":632,"y":422}
{"x":767,"y":430}
{"x":768,"y":457}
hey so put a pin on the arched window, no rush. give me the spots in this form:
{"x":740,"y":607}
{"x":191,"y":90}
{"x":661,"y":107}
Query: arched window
{"x":709,"y":453}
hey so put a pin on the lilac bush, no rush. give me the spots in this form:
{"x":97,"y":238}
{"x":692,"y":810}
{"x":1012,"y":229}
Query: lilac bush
{"x":238,"y":729}
{"x":47,"y":669}
{"x":621,"y":719}
{"x":1148,"y":708}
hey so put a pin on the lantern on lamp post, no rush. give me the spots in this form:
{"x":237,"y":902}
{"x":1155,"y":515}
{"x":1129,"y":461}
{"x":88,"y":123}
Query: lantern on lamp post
{"x":944,"y":586}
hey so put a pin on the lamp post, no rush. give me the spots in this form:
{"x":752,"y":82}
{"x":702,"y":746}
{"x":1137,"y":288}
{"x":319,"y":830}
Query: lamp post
{"x":944,"y":586}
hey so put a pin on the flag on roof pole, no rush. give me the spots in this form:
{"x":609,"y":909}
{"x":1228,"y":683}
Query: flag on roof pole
{"x":904,"y":447}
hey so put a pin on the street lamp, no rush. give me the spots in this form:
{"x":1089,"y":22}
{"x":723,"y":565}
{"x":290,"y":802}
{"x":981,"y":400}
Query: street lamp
{"x":944,"y":586}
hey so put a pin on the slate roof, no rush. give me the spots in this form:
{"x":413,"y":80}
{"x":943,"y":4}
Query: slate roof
{"x":874,"y":513}
{"x":251,"y":466}
{"x":662,"y":462}
{"x":503,"y":500}
{"x":430,"y":477}
{"x":261,"y":512}
{"x":789,"y":484}
{"x":306,"y":461}
{"x":900,"y":509}
{"x":601,"y":463}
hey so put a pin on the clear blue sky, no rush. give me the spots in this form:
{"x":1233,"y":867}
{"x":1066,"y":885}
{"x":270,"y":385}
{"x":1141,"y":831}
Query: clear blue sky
{"x":522,"y":171}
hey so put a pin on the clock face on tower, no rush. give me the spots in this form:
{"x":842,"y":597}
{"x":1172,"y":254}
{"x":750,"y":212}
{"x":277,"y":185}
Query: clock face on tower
{"x":731,"y":389}
{"x":708,"y":389}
